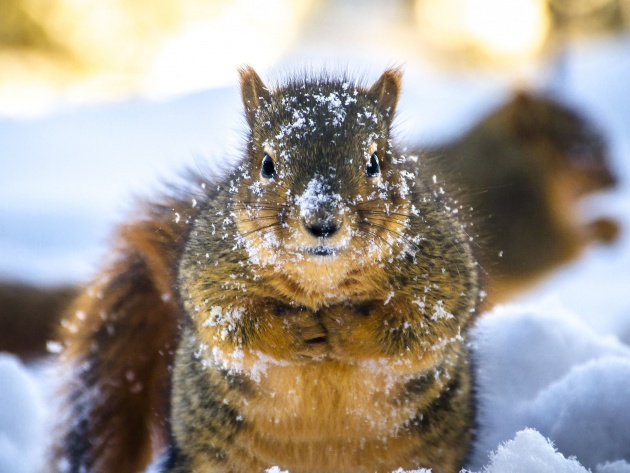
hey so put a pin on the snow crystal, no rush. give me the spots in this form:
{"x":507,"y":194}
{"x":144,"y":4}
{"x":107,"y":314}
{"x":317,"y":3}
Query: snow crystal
{"x":335,"y":106}
{"x":226,"y":319}
{"x":422,"y":470}
{"x":232,"y":361}
{"x":439,"y":312}
{"x":289,"y":129}
{"x":54,"y":347}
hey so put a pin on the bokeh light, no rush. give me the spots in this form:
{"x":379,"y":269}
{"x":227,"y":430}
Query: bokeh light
{"x":495,"y":30}
{"x":103,"y":50}
{"x":59,"y":52}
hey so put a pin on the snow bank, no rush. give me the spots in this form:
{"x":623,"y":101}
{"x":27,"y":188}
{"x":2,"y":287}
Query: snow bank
{"x":21,"y":418}
{"x":529,"y":452}
{"x":539,"y":366}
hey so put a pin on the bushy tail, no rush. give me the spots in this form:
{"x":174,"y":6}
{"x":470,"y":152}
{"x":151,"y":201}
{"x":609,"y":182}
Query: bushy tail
{"x":119,"y":340}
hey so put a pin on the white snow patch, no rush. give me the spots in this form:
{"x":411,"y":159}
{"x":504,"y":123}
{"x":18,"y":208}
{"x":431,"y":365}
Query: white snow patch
{"x":540,"y":366}
{"x":275,"y":469}
{"x":529,"y":452}
{"x":620,"y":466}
{"x":22,"y":415}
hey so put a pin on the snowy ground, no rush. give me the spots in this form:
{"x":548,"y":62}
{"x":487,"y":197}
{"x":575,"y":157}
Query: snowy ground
{"x":557,"y":360}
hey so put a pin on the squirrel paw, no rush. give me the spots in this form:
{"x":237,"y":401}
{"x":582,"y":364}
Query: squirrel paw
{"x":605,"y":230}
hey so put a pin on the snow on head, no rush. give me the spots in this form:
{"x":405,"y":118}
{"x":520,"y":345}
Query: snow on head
{"x":335,"y":105}
{"x":332,"y":104}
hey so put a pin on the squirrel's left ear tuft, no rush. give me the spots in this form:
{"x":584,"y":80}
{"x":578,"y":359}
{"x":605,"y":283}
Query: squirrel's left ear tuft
{"x":386,"y":90}
{"x":253,"y":92}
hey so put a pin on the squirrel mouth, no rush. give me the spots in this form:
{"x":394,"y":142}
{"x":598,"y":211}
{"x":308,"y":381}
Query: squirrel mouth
{"x":321,"y":250}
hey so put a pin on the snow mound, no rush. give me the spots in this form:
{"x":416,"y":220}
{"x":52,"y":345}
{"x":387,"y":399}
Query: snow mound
{"x":539,"y":366}
{"x":588,"y":407}
{"x":529,"y":452}
{"x":21,"y":418}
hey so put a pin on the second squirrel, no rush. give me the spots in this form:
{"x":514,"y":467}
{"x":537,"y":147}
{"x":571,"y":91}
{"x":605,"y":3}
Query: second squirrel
{"x":523,"y":169}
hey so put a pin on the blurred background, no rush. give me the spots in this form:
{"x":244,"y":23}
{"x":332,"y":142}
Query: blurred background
{"x":59,"y":52}
{"x":103,"y":101}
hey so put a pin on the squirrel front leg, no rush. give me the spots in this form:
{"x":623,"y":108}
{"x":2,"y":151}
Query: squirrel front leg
{"x":222,"y":356}
{"x":260,"y":325}
{"x":398,"y":328}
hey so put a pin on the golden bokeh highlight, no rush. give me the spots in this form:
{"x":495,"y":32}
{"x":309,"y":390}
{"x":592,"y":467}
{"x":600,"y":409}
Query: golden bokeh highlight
{"x":77,"y":51}
{"x":489,"y":30}
{"x":59,"y":52}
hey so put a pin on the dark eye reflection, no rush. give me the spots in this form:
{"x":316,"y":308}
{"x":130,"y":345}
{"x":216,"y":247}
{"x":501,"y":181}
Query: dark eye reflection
{"x":373,"y":167}
{"x":268,"y":168}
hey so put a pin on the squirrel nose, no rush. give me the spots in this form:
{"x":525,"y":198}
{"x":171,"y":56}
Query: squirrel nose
{"x":322,"y":228}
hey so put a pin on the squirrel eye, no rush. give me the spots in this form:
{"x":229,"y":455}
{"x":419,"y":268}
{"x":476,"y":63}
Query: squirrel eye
{"x":268,"y":169}
{"x":373,"y":168}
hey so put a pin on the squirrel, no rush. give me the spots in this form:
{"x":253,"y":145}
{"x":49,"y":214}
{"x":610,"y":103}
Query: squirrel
{"x":308,"y":309}
{"x":523,"y":169}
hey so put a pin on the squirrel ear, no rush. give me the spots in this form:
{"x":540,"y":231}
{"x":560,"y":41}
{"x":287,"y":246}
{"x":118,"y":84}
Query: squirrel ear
{"x":386,"y":90}
{"x":524,"y":115}
{"x":253,"y":92}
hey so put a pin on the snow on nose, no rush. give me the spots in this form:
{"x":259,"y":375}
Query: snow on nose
{"x":320,"y":209}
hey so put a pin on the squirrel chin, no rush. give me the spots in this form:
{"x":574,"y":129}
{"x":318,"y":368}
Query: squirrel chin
{"x":322,"y":251}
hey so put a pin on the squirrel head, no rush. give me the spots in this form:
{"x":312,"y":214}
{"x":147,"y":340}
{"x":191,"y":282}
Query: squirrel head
{"x":321,"y":185}
{"x":566,"y":142}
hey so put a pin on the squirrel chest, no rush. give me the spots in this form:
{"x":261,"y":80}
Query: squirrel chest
{"x":320,"y":295}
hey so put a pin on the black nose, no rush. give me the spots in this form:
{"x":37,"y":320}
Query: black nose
{"x":322,"y":228}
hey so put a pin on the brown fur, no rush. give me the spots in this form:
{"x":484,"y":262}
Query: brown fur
{"x":523,"y":169}
{"x":321,"y":298}
{"x":119,"y":340}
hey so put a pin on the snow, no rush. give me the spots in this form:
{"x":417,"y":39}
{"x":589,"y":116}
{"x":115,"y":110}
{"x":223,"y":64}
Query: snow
{"x":541,"y":367}
{"x":515,"y":456}
{"x":22,"y":415}
{"x":275,"y":469}
{"x":554,"y":364}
